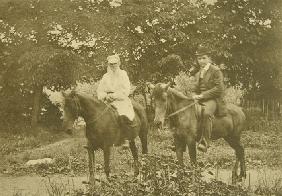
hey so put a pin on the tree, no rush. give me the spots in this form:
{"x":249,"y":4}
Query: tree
{"x":243,"y":34}
{"x":45,"y":66}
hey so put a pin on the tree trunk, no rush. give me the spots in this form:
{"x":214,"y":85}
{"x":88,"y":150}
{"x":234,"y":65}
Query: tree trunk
{"x":36,"y":105}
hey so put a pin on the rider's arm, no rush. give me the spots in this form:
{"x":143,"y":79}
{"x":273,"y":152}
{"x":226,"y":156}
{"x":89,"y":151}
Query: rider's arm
{"x":218,"y":88}
{"x":124,"y":90}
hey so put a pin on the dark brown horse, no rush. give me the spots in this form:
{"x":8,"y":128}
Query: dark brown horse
{"x":102,"y":128}
{"x":186,"y":120}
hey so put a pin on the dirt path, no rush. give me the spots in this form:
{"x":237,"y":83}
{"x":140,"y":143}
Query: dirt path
{"x":36,"y":185}
{"x":73,"y":157}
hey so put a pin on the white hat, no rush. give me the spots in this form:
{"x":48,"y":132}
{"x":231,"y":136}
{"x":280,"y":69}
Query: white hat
{"x":113,"y":59}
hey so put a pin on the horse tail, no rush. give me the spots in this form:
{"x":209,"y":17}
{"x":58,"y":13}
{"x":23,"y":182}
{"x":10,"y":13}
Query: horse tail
{"x":141,"y":113}
{"x":238,"y":119}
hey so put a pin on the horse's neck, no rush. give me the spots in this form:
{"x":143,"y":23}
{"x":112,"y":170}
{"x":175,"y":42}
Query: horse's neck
{"x":90,"y":107}
{"x":178,"y":101}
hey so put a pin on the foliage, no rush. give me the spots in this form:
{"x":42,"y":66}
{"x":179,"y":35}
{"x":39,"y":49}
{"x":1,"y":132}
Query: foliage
{"x":49,"y":67}
{"x":51,"y":43}
{"x":14,"y":108}
{"x":184,"y":83}
{"x":160,"y":175}
{"x":266,"y":189}
{"x":249,"y":39}
{"x":89,"y":88}
{"x":234,"y":94}
{"x":50,"y":115}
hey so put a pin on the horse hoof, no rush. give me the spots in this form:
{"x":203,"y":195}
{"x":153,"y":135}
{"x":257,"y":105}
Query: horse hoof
{"x":202,"y":148}
{"x":125,"y":146}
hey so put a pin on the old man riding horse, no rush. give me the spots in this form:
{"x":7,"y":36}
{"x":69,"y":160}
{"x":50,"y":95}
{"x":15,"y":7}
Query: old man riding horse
{"x":111,"y":118}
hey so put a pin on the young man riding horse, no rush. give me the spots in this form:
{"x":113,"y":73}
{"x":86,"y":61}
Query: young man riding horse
{"x":209,"y":91}
{"x":114,"y":88}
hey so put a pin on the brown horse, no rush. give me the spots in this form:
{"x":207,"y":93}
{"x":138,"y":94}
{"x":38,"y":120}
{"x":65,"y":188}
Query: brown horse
{"x":184,"y":116}
{"x":102,"y":127}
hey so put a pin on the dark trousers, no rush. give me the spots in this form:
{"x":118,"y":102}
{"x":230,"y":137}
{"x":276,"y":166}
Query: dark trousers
{"x":207,"y":115}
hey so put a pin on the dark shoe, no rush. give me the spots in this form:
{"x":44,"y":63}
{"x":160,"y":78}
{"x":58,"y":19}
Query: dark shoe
{"x":202,"y":148}
{"x":126,"y":124}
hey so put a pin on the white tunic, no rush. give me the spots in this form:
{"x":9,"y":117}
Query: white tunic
{"x":118,"y":83}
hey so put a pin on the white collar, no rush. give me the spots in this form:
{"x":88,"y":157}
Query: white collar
{"x":111,"y":72}
{"x":207,"y":67}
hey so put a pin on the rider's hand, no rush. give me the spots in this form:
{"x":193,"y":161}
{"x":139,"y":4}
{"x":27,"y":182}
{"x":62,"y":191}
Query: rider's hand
{"x":109,"y":98}
{"x":197,"y":97}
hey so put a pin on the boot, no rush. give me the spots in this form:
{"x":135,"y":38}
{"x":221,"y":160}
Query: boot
{"x":126,"y":124}
{"x":205,"y":140}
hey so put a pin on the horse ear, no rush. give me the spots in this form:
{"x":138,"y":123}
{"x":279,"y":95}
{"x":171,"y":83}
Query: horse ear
{"x":150,"y":85}
{"x":167,"y":85}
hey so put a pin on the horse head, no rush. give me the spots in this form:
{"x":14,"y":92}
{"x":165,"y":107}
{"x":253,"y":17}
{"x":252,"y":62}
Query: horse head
{"x":71,"y":110}
{"x":160,"y":97}
{"x":167,"y":100}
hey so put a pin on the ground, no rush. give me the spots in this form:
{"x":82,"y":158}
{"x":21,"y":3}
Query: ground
{"x":262,"y":148}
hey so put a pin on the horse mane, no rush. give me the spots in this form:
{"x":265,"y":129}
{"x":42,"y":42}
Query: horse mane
{"x":174,"y":98}
{"x":74,"y":100}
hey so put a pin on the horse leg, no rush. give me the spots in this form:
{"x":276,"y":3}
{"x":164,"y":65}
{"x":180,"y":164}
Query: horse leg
{"x":91,"y":165}
{"x":179,"y":149}
{"x":234,"y":172}
{"x":240,"y":157}
{"x":107,"y":152}
{"x":134,"y":152}
{"x":191,"y":142}
{"x":243,"y":173}
{"x":144,"y":142}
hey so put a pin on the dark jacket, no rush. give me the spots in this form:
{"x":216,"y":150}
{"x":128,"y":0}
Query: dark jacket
{"x":211,"y":87}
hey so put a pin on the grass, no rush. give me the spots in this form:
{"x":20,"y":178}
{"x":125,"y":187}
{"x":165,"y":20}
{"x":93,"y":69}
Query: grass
{"x":268,"y":187}
{"x":71,"y":158}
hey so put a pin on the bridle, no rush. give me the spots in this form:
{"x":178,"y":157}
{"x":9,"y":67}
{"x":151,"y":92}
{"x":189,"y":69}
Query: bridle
{"x":108,"y":106}
{"x":181,"y":110}
{"x":78,"y":109}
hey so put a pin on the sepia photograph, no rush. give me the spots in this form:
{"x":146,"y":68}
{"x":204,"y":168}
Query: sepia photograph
{"x":140,"y":97}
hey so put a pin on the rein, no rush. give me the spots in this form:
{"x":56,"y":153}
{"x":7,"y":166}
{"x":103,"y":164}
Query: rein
{"x":181,"y":110}
{"x":98,"y":117}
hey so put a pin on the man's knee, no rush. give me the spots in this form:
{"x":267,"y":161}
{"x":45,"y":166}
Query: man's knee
{"x":208,"y":113}
{"x":209,"y":108}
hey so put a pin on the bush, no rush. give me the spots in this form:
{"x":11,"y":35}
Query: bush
{"x":234,"y":94}
{"x":184,"y":83}
{"x":15,"y":108}
{"x":50,"y":115}
{"x":161,"y":175}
